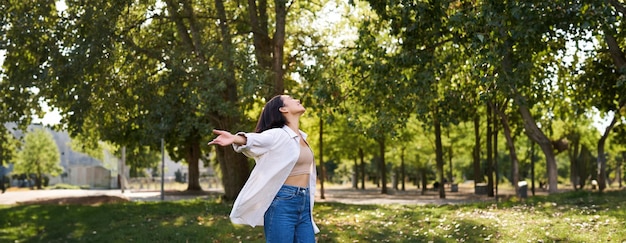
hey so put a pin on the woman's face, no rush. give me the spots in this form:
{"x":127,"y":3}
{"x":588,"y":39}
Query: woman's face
{"x":291,"y":105}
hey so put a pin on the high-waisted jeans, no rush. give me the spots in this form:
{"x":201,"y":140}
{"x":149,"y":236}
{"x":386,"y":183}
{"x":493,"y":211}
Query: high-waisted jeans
{"x":288,"y":219}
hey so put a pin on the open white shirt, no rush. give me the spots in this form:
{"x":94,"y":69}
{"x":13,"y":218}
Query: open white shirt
{"x":275,"y":152}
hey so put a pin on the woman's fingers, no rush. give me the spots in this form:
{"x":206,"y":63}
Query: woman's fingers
{"x":221,"y":137}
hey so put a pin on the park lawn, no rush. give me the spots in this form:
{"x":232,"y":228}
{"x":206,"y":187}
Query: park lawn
{"x":567,"y":217}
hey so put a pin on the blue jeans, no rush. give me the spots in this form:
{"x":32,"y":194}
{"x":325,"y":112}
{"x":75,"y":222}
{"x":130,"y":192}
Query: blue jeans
{"x":288,"y":219}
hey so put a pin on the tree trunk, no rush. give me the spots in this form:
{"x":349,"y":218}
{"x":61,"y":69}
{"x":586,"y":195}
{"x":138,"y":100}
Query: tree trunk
{"x":489,"y":166}
{"x":235,"y":171}
{"x":478,"y":175}
{"x":269,"y":51}
{"x":228,"y":58}
{"x":583,"y":167}
{"x":424,"y":180}
{"x":361,"y":156}
{"x":619,"y":169}
{"x":615,"y":50}
{"x":601,"y":156}
{"x":322,"y":172}
{"x":532,"y":167}
{"x":439,"y":155}
{"x":402,"y":169}
{"x":39,"y":178}
{"x":495,"y":154}
{"x":450,"y":174}
{"x":235,"y":166}
{"x":535,"y":134}
{"x":394,"y":178}
{"x":192,"y":156}
{"x":579,"y":156}
{"x":573,"y":154}
{"x":620,"y":63}
{"x":355,"y":174}
{"x":382,"y":166}
{"x":260,"y":33}
{"x":279,"y":43}
{"x":511,"y":146}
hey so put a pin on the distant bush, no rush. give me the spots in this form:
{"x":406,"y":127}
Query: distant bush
{"x":65,"y":186}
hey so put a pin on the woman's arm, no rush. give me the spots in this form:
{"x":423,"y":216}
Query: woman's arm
{"x":251,"y":144}
{"x":225,"y":138}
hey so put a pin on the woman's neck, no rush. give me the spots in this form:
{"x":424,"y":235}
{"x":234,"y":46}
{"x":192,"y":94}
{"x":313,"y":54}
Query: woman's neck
{"x":294,"y":124}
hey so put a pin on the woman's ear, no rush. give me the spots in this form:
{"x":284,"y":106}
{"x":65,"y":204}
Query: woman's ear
{"x":282,"y":109}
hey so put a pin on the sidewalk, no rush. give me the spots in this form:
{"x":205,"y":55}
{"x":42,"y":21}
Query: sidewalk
{"x":22,"y":196}
{"x":411,"y":195}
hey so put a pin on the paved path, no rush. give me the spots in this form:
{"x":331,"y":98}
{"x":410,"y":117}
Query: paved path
{"x":18,"y":196}
{"x":412,"y":195}
{"x":342,"y":194}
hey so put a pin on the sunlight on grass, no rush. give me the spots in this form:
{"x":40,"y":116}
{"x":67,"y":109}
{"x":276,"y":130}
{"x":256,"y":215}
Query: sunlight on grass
{"x":180,"y":221}
{"x":78,"y":231}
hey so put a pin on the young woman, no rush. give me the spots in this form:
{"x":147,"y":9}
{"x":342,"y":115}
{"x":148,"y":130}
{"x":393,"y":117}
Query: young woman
{"x":280,"y":191}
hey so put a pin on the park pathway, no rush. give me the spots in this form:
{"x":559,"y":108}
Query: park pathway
{"x":332,"y":193}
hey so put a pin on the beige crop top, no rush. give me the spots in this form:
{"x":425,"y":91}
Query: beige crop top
{"x":303,"y":165}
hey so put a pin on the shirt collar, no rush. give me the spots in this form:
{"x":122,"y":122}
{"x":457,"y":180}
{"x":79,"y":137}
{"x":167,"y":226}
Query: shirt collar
{"x":293,"y":134}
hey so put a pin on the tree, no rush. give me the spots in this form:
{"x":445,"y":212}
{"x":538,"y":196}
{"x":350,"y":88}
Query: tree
{"x":8,"y":152}
{"x":22,"y":55}
{"x":131,"y":73}
{"x":581,"y":137}
{"x":608,"y":87}
{"x":515,"y":42}
{"x":620,"y":144}
{"x":431,"y":43}
{"x":380,"y":90}
{"x":269,"y":49}
{"x":39,"y":155}
{"x":142,"y":157}
{"x":9,"y":145}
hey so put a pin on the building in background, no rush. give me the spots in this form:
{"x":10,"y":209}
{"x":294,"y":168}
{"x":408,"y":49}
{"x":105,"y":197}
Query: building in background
{"x":83,"y":170}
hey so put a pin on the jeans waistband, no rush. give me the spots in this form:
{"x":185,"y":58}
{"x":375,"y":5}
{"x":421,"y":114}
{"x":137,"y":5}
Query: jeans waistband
{"x":304,"y":190}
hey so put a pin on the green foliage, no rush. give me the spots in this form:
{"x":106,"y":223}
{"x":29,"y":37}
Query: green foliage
{"x":63,"y":186}
{"x":598,"y":83}
{"x":620,"y":135}
{"x":39,"y":155}
{"x":140,"y":158}
{"x":8,"y":146}
{"x":594,"y":217}
{"x":87,"y":146}
{"x":25,"y":39}
{"x":131,"y":73}
{"x":134,"y":72}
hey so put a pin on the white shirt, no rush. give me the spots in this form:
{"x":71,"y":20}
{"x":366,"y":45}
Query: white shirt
{"x":275,"y":152}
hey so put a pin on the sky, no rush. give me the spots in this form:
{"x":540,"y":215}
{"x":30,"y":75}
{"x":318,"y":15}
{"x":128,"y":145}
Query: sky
{"x":52,"y":117}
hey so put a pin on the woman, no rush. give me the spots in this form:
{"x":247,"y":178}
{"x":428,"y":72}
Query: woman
{"x":280,"y":191}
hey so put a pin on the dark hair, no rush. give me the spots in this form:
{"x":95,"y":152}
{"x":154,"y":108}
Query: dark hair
{"x":271,"y":117}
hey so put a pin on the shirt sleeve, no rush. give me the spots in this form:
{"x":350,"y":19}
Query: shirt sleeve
{"x":257,"y":144}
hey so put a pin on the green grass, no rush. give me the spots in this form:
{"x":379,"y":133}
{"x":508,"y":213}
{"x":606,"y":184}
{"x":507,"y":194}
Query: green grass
{"x":567,"y":217}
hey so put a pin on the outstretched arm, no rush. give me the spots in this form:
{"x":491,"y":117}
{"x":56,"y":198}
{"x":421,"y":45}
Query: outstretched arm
{"x":225,"y":138}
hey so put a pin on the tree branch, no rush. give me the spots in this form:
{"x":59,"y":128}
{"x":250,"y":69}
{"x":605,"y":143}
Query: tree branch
{"x":180,"y":25}
{"x":616,"y":52}
{"x":618,"y":6}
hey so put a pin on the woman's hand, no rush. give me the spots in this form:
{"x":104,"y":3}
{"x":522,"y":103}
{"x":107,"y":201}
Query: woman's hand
{"x":224,"y":138}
